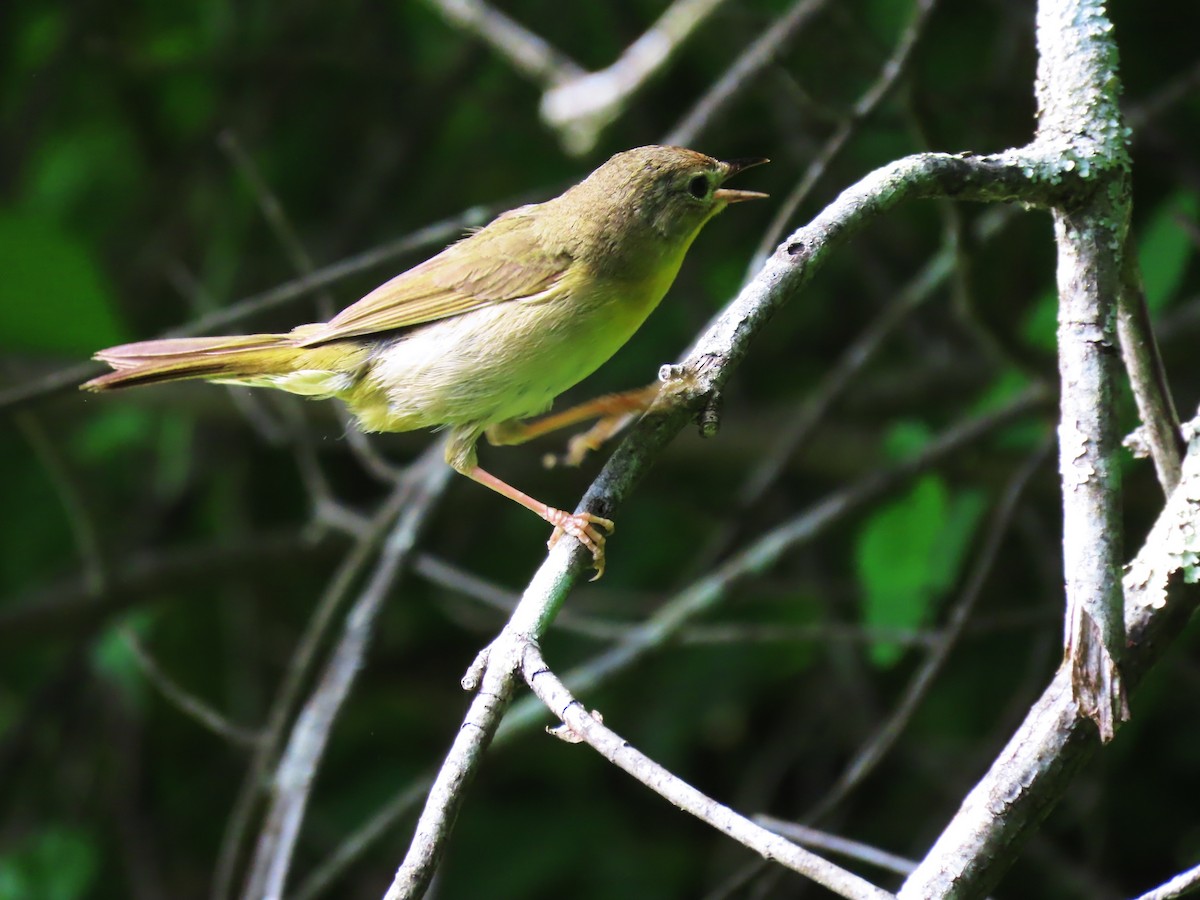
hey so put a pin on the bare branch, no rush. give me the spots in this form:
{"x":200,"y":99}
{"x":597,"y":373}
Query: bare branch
{"x":1081,"y":123}
{"x":889,"y":76}
{"x":813,"y":837}
{"x":183,"y":700}
{"x":554,"y":694}
{"x":1035,"y":768}
{"x":299,"y":667}
{"x":528,"y":53}
{"x":740,"y":76}
{"x":889,"y":731}
{"x":298,"y":766}
{"x":580,"y":108}
{"x":1183,"y":883}
{"x":1159,"y":431}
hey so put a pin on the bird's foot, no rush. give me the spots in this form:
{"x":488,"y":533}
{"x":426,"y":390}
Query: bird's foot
{"x":590,"y":530}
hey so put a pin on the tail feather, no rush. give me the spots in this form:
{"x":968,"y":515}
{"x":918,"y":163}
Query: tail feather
{"x":254,"y":358}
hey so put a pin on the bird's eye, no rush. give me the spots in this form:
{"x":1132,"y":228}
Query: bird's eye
{"x":698,"y":187}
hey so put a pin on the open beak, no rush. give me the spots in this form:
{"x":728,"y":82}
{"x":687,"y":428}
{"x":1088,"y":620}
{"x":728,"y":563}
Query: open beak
{"x":732,"y":167}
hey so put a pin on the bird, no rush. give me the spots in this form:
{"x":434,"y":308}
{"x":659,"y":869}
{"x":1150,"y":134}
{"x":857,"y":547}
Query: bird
{"x":484,"y":335}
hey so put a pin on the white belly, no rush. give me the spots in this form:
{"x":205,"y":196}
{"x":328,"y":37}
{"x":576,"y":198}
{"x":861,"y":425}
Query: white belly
{"x":457,"y":371}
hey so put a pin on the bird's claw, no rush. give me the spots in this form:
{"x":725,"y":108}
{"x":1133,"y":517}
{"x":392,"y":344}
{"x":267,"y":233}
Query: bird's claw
{"x":590,"y":530}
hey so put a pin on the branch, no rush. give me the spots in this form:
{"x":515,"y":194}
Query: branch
{"x":528,"y":53}
{"x":690,"y":386}
{"x":581,"y":108}
{"x":812,"y":837}
{"x":583,"y":725}
{"x":760,"y":54}
{"x":578,"y":104}
{"x":888,"y":732}
{"x":1159,"y":433}
{"x":889,"y":76}
{"x":667,"y":624}
{"x":1081,"y":123}
{"x":1183,"y":883}
{"x":310,"y":735}
{"x":1035,"y":768}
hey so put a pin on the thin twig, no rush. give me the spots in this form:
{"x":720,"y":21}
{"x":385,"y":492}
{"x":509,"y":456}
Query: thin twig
{"x":740,"y":76}
{"x":285,"y":233}
{"x":299,"y":667}
{"x":1147,"y":377}
{"x":294,"y":776}
{"x":889,"y":731}
{"x":823,"y":840}
{"x":889,"y":76}
{"x":186,"y":702}
{"x":70,"y":493}
{"x":559,"y":700}
{"x":71,"y":605}
{"x":850,"y":363}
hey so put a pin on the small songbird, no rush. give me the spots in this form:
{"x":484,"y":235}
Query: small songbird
{"x":488,"y":332}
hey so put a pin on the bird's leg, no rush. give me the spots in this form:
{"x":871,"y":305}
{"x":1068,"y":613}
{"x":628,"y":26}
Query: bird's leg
{"x":589,"y":529}
{"x":613,"y":411}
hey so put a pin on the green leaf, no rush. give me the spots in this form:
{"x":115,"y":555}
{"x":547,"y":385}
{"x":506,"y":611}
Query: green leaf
{"x":53,"y":297}
{"x":893,"y":556}
{"x":1165,"y":248}
{"x":909,"y":554}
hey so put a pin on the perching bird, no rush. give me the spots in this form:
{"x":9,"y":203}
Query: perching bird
{"x":488,"y":332}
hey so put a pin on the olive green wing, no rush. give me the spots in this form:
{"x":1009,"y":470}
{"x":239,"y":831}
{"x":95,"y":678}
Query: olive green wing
{"x":504,"y":261}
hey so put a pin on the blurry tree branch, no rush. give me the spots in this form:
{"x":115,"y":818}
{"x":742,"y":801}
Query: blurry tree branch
{"x":889,"y":76}
{"x":740,"y":76}
{"x":578,"y":104}
{"x":296,"y":770}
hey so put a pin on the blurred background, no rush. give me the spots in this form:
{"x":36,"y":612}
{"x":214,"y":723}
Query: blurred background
{"x":176,"y":165}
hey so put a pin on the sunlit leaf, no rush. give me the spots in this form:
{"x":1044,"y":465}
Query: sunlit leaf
{"x":894,"y":556}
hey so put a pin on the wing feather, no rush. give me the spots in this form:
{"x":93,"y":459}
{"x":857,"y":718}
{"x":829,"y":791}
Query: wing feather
{"x":497,"y":264}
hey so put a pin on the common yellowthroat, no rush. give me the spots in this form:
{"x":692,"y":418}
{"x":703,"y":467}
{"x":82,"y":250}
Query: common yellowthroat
{"x":488,"y":332}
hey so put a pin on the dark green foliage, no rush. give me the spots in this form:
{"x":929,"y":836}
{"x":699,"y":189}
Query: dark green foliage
{"x":183,"y":513}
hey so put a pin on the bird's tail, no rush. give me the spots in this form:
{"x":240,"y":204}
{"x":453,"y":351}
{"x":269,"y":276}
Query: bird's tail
{"x":267,"y":360}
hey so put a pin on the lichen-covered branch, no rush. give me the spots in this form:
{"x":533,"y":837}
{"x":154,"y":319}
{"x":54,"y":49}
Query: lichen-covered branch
{"x":1080,"y":123}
